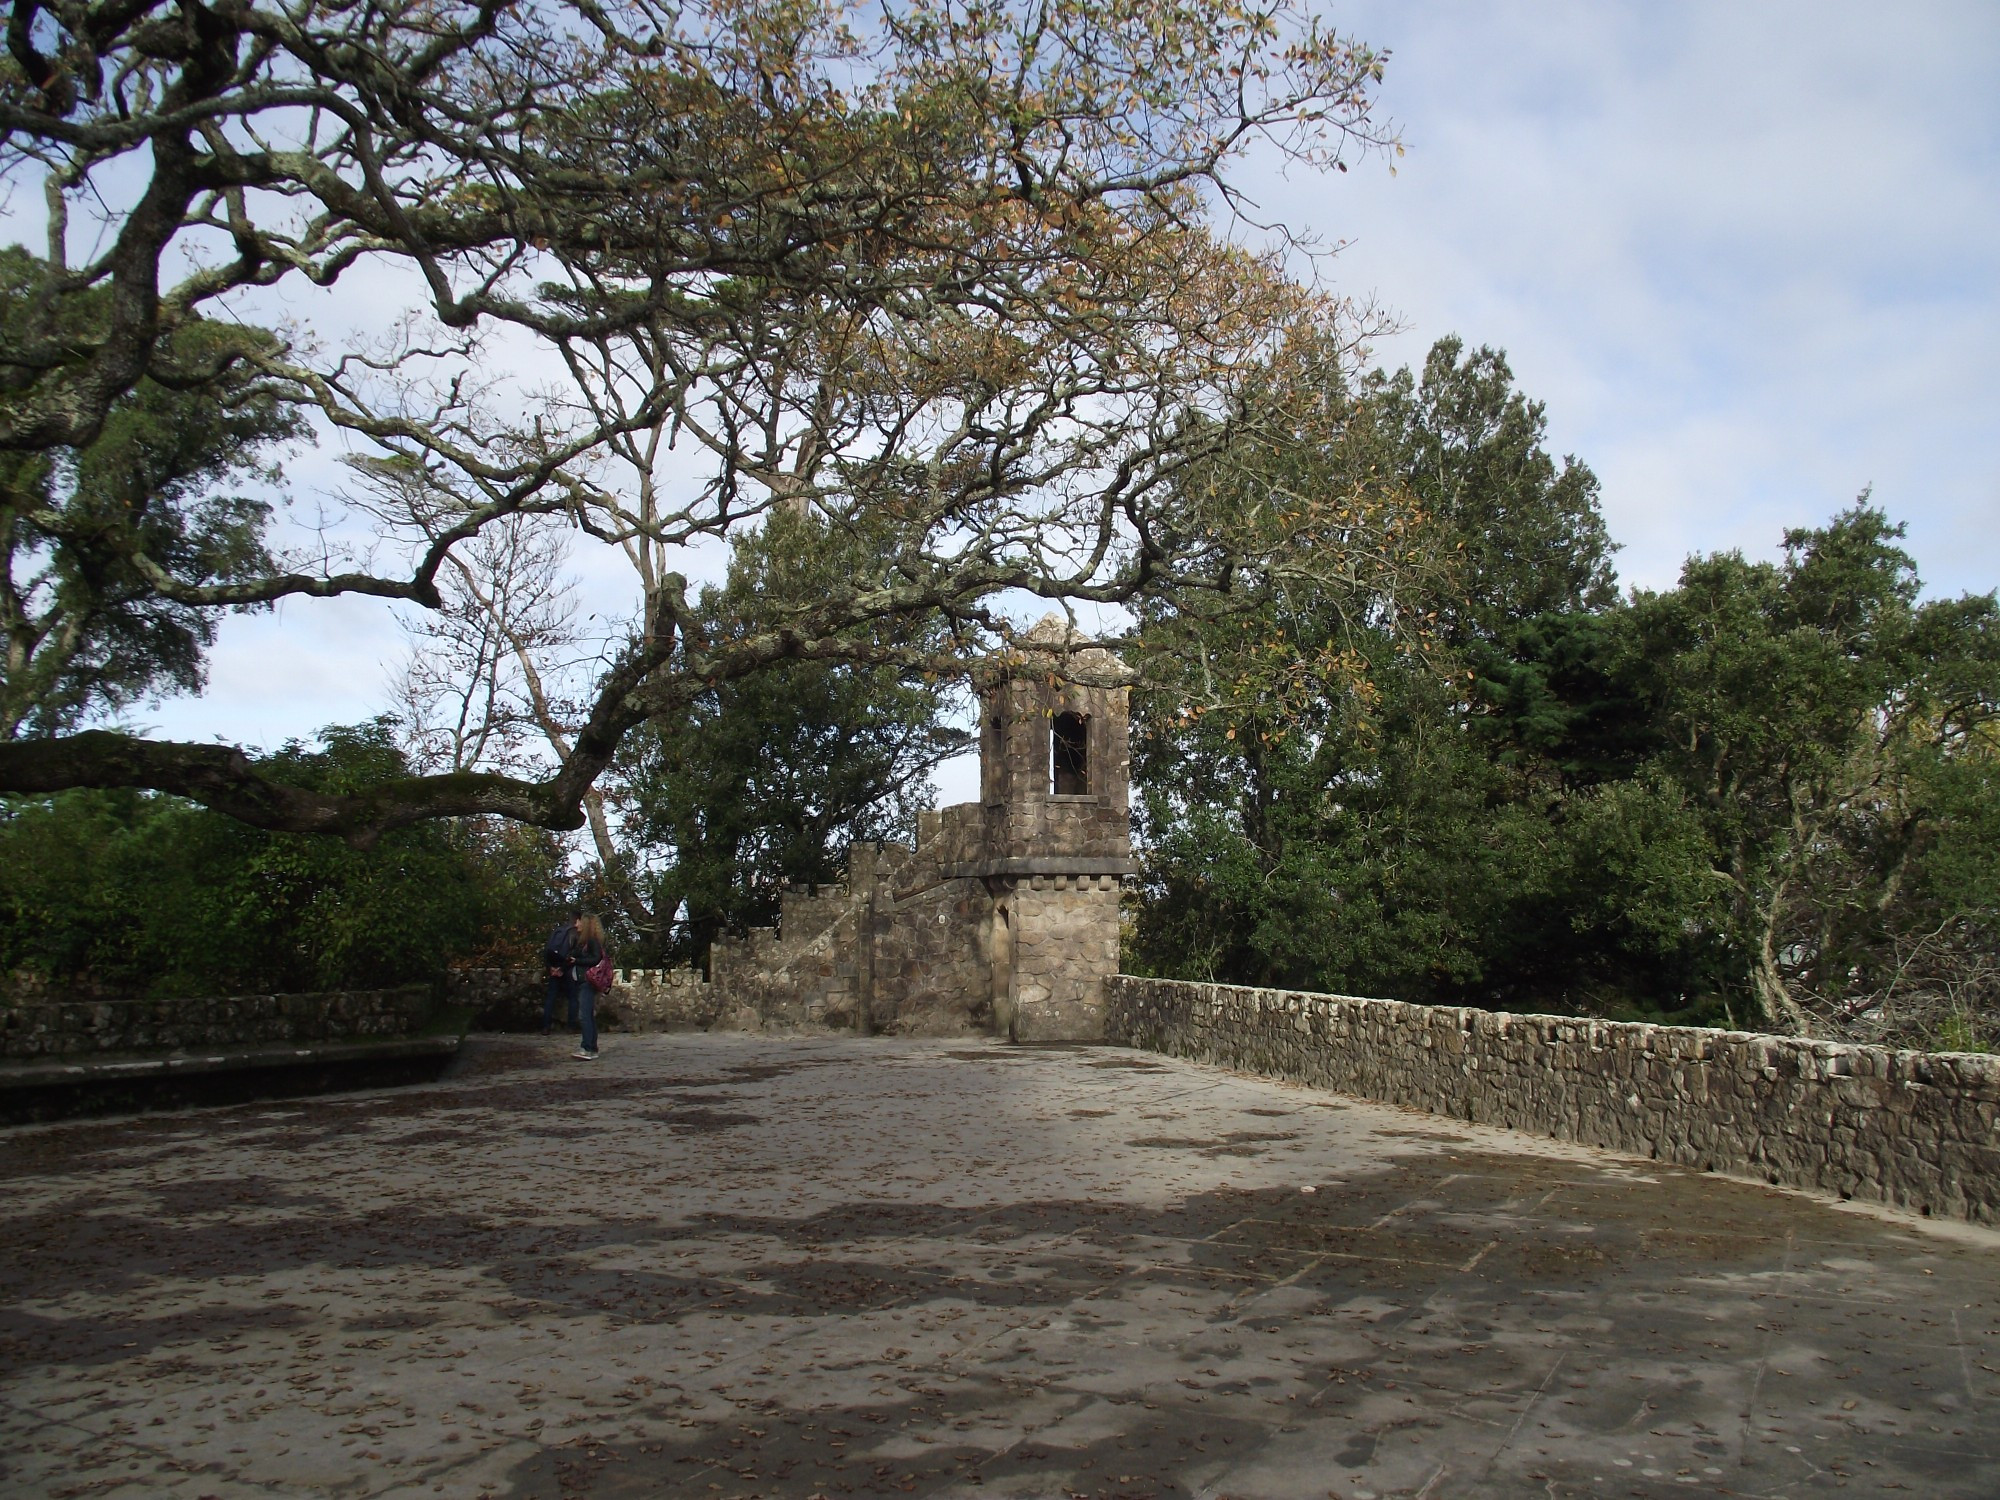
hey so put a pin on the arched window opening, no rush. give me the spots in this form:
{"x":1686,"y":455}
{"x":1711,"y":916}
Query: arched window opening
{"x":1069,"y":755}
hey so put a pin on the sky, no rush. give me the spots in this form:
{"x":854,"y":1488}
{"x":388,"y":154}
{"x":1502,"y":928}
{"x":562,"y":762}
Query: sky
{"x":1748,"y":255}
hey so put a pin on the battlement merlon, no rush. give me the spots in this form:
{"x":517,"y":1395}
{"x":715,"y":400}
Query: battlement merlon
{"x":1055,"y":648}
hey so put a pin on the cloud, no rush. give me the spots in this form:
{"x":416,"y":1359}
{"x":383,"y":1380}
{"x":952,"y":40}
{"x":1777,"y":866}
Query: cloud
{"x":1748,"y":255}
{"x":287,"y":673}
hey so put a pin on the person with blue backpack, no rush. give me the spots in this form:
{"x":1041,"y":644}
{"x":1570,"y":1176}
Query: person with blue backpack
{"x":559,"y":985}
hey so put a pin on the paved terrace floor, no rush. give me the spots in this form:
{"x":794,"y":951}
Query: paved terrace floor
{"x":728,"y":1266}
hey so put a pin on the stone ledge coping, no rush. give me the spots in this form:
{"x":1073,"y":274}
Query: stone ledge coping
{"x":385,"y":997}
{"x":1815,"y":1058}
{"x":124,"y":1068}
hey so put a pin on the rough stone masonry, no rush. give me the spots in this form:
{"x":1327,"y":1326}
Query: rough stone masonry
{"x":43,"y":1023}
{"x":1917,"y":1130}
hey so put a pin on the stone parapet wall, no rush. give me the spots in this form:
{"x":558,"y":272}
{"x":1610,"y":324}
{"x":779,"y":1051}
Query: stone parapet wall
{"x":640,"y":1000}
{"x":500,"y":999}
{"x":663,"y":1000}
{"x":1919,"y":1131}
{"x":806,"y":973}
{"x":52,"y":1026}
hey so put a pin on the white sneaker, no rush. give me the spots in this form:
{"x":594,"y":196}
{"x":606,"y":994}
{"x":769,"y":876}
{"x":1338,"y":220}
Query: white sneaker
{"x":584,"y":1056}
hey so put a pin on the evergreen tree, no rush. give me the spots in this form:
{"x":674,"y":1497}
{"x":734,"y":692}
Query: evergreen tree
{"x":97,"y":536}
{"x":765,"y":781}
{"x":1468,"y":773}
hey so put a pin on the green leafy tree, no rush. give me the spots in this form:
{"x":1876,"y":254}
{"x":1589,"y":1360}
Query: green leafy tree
{"x":137,"y":893}
{"x":1558,"y":699}
{"x":1923,"y":945}
{"x":88,"y":530}
{"x":764,"y":782}
{"x":1768,"y":794}
{"x":1523,"y":531}
{"x":1823,"y":720}
{"x":1465,"y":771}
{"x":1314,"y":806}
{"x":1345,"y":858}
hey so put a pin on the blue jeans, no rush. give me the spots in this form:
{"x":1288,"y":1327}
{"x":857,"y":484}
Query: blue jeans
{"x":557,"y":988}
{"x":584,"y":1001}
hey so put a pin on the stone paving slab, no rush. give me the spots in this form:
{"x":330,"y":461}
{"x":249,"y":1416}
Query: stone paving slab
{"x":742,"y":1266}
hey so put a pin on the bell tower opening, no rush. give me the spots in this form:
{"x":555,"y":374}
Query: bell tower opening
{"x":1069,"y":755}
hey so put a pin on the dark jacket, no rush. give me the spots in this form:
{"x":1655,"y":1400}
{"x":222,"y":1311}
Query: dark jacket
{"x":555,"y":952}
{"x":582,"y":955}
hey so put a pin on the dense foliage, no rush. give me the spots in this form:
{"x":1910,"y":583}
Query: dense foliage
{"x":1769,"y":795}
{"x":91,"y":531}
{"x":764,"y":782}
{"x":135,"y":893}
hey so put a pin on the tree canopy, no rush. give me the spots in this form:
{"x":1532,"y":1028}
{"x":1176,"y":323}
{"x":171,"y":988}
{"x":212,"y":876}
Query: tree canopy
{"x":1468,"y":772}
{"x":88,"y":531}
{"x":126,"y":892}
{"x":952,"y":277}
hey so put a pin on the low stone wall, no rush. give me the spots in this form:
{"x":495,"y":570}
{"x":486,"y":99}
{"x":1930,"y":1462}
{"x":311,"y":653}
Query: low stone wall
{"x":499,"y":999}
{"x":640,"y":1000}
{"x":51,"y":1026}
{"x":1917,"y":1130}
{"x":662,"y":1000}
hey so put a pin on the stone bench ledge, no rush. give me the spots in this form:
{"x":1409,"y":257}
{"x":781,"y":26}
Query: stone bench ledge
{"x":136,"y":1067}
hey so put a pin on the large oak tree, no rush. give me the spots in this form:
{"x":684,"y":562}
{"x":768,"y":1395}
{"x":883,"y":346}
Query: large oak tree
{"x":951,"y":276}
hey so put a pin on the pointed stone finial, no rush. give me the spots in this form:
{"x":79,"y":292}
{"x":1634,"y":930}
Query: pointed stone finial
{"x":1053,"y":632}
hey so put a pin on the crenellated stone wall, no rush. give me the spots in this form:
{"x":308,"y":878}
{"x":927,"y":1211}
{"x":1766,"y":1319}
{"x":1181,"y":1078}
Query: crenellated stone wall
{"x":804,"y":972}
{"x":47,"y":1025}
{"x":663,"y":1000}
{"x":1916,"y":1130}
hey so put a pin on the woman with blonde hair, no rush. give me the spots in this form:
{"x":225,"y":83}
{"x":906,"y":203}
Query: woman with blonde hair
{"x":586,"y":952}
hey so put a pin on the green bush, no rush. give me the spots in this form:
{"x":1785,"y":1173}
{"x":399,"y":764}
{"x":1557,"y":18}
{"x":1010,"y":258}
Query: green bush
{"x":142,"y":894}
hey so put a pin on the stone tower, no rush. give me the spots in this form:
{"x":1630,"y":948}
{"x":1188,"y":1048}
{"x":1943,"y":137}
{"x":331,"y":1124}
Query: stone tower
{"x":1002,"y":918}
{"x":1055,"y":796}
